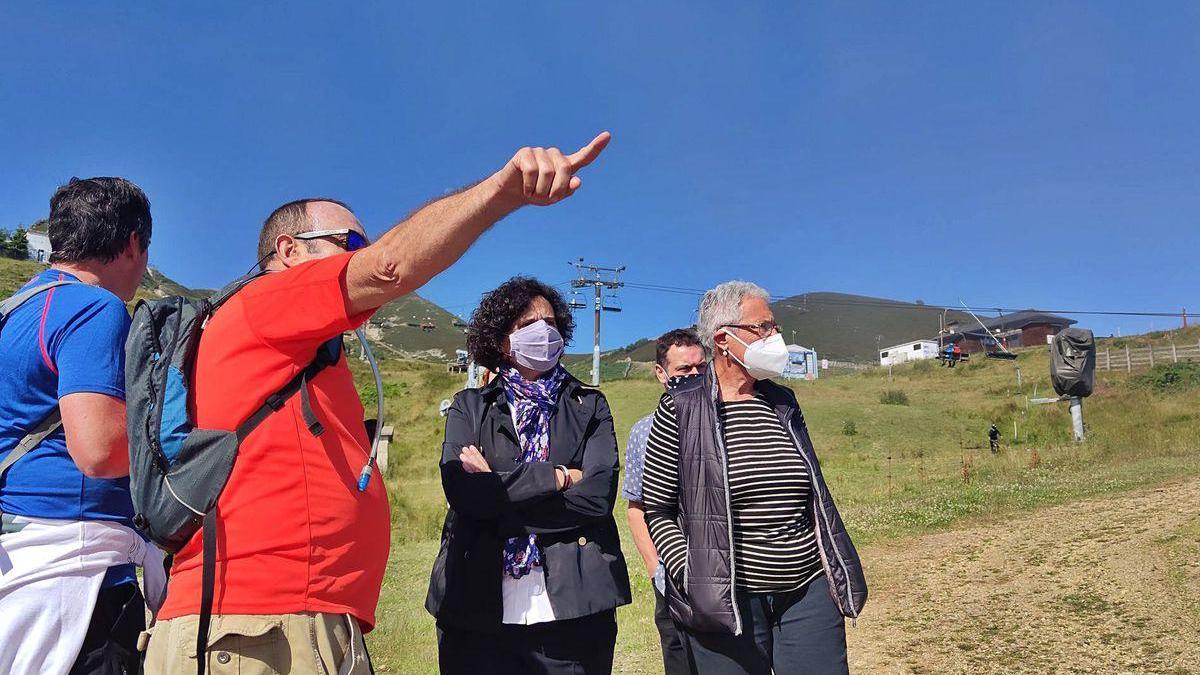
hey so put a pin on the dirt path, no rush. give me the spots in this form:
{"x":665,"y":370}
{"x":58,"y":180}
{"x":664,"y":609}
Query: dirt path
{"x":1105,"y":585}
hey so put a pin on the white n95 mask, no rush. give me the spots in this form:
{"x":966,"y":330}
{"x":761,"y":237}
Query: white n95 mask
{"x":765,"y":358}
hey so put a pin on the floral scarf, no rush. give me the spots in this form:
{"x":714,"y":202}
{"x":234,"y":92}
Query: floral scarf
{"x":534,"y":403}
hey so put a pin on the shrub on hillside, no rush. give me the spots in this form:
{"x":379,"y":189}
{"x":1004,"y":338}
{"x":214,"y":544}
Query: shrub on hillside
{"x":16,"y":245}
{"x":849,"y":428}
{"x":893,"y":397}
{"x":1169,"y":377}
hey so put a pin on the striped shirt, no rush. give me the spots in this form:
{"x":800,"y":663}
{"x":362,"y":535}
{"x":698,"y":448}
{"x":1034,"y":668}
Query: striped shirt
{"x":774,"y":542}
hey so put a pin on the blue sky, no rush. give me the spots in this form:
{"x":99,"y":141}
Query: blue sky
{"x":1005,"y":154}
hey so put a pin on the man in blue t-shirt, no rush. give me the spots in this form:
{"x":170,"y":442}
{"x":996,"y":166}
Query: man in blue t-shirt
{"x":65,"y":347}
{"x":678,"y":354}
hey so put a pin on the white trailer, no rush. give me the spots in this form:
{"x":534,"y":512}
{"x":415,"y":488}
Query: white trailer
{"x":916,"y":350}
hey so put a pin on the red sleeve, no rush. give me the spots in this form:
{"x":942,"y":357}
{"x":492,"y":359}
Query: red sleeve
{"x":303,"y":306}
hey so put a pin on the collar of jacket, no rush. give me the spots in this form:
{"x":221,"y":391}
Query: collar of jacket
{"x":568,"y":426}
{"x":494,"y":391}
{"x":781,"y":398}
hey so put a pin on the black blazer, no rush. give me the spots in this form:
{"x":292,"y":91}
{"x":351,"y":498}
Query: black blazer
{"x":585,"y":571}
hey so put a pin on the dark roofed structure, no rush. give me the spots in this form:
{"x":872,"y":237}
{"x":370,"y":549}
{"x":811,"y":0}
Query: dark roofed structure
{"x":1020,"y":329}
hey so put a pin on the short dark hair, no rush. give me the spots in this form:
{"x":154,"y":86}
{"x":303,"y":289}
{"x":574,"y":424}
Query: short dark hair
{"x":500,"y":309}
{"x":291,"y":218}
{"x":92,"y":218}
{"x":680,"y":337}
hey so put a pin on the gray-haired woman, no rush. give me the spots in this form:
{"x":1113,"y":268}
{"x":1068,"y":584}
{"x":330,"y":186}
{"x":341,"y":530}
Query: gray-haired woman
{"x":761,"y":570}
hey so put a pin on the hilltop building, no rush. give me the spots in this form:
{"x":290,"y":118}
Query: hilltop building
{"x":916,"y":350}
{"x":38,"y":241}
{"x":802,"y":363}
{"x":1019,"y":329}
{"x":39,"y":245}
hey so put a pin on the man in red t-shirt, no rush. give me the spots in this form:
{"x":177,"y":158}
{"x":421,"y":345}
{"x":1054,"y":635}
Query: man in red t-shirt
{"x":300,"y":551}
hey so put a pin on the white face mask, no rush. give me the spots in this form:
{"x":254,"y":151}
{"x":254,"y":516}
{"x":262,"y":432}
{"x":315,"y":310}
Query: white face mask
{"x":765,"y":358}
{"x":537,"y":346}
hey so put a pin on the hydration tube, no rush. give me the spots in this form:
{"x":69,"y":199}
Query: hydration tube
{"x":364,"y":476}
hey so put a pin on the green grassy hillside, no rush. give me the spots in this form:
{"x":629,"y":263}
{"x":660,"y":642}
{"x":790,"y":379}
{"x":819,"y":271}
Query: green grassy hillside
{"x":419,"y":328}
{"x":14,"y":274}
{"x":155,"y":284}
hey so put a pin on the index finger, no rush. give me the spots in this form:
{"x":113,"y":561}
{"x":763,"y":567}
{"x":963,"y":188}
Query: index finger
{"x":588,"y":153}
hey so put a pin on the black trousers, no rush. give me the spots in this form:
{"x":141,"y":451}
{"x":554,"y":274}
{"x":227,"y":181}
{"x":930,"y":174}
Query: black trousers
{"x":110,"y":645}
{"x":582,"y":646}
{"x":677,"y":656}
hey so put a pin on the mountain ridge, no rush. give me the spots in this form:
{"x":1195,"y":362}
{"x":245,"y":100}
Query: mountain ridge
{"x":410,"y":327}
{"x":839,"y":326}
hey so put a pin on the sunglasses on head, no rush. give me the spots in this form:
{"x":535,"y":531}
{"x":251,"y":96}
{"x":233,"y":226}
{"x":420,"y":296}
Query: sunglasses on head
{"x":351,"y":240}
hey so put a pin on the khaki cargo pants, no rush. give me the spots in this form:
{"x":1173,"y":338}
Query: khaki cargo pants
{"x":242,"y":644}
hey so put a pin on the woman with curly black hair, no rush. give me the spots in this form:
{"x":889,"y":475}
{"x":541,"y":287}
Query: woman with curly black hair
{"x":530,"y":570}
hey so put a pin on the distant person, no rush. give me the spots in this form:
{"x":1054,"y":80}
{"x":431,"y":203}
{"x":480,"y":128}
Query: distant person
{"x":69,"y":598}
{"x":530,"y":570}
{"x":948,"y":356}
{"x":760,"y":568}
{"x":678,"y":354}
{"x":953,"y":354}
{"x":301,"y":551}
{"x":994,"y":439}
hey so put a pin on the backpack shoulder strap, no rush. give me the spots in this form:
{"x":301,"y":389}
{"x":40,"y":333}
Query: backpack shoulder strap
{"x":217,"y":299}
{"x":276,"y":401}
{"x":47,"y":426}
{"x":53,"y":420}
{"x":21,"y":297}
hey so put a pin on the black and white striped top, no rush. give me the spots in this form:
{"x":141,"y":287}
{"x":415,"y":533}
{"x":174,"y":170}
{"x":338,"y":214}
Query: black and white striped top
{"x":775,"y":546}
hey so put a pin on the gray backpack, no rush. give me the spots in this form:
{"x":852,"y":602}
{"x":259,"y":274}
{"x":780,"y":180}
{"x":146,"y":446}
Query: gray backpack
{"x":177,"y":470}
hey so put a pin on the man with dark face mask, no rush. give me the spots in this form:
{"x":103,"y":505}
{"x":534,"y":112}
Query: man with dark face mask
{"x":678,"y":355}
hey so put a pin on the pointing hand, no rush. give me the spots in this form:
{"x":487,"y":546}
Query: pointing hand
{"x":544,"y":176}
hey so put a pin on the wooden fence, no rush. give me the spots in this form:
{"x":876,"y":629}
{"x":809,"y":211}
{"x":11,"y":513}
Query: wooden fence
{"x":1128,"y":358}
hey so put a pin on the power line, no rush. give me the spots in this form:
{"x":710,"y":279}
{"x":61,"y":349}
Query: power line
{"x":905,"y":306}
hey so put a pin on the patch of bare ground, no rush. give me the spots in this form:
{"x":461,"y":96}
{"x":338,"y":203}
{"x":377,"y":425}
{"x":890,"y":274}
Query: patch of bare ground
{"x":1109,"y":585}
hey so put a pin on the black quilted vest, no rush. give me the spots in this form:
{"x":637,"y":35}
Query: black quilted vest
{"x":706,"y":602}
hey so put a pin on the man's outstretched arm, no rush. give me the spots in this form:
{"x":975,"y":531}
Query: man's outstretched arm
{"x":437,"y":234}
